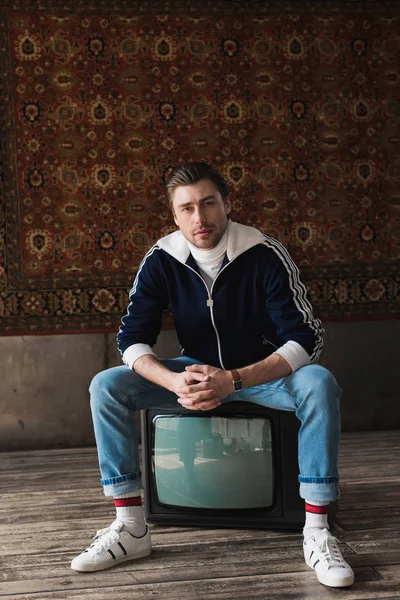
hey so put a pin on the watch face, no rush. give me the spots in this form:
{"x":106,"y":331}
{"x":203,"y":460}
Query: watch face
{"x":238,"y":385}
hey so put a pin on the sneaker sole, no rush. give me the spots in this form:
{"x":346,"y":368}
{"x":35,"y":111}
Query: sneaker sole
{"x":100,"y":567}
{"x":345,"y":582}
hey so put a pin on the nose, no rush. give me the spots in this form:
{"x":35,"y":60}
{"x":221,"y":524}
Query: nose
{"x":199,"y":216}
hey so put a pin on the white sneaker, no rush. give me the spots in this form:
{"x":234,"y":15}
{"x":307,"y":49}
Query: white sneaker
{"x":111,"y":546}
{"x":322,"y":554}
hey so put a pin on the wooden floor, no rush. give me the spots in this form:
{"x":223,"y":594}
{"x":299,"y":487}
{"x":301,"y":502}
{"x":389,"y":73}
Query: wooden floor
{"x":51,"y":505}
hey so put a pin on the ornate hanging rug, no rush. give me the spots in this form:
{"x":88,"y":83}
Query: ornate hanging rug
{"x":297,"y":103}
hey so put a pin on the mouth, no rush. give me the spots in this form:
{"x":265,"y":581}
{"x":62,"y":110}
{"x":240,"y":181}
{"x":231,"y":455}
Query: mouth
{"x":203,"y":232}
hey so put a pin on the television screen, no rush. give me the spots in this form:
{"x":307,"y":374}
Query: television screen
{"x":233,"y":466}
{"x":213,"y":462}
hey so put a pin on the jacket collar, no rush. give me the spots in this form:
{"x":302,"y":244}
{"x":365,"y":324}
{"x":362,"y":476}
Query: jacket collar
{"x":240,"y":238}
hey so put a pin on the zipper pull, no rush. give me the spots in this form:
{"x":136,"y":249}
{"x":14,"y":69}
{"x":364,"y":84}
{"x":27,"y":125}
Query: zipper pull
{"x":210,"y":301}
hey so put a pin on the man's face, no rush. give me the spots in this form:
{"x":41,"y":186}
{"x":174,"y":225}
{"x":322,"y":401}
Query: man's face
{"x":200,"y":213}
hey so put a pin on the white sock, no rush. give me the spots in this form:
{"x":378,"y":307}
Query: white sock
{"x":131,"y":515}
{"x":316,"y":517}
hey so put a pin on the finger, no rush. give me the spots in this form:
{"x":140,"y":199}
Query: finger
{"x":203,"y":406}
{"x":188,"y":406}
{"x":199,"y":376}
{"x":195,"y":394}
{"x":198,"y":388}
{"x":196,"y":399}
{"x":187,"y":403}
{"x":200,"y":404}
{"x":199,"y":371}
{"x":209,"y":405}
{"x":197,"y":368}
{"x":195,"y":388}
{"x":193,"y":379}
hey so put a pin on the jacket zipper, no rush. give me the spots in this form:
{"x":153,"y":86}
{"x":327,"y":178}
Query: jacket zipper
{"x":210,"y":304}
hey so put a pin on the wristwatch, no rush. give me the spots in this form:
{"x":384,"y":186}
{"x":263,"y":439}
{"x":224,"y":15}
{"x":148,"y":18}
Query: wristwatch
{"x":236,"y":380}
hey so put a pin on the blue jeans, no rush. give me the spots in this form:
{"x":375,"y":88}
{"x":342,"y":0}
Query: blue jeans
{"x":311,"y":392}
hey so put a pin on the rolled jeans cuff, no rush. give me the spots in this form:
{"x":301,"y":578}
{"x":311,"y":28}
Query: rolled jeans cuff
{"x":121,"y":485}
{"x":320,"y":492}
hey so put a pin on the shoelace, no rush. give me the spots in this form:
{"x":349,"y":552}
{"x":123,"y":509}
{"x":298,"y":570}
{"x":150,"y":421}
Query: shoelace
{"x":105,"y":537}
{"x":330,"y":551}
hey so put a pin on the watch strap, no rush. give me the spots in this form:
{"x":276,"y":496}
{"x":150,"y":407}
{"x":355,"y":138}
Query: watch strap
{"x":236,"y":381}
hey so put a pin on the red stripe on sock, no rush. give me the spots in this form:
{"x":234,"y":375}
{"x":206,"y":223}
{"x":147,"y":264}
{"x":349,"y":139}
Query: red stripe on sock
{"x":136,"y":501}
{"x":318,"y":510}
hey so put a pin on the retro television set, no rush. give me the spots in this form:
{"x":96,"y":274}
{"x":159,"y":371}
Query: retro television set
{"x":235,"y":466}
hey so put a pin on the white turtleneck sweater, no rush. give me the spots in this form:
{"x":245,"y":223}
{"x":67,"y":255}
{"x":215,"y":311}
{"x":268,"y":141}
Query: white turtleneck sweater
{"x":209,"y":261}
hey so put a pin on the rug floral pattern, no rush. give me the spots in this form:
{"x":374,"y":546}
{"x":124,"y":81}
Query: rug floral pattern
{"x":298,"y":106}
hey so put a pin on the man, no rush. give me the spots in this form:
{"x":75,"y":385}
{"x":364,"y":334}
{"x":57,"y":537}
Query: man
{"x":247,"y":333}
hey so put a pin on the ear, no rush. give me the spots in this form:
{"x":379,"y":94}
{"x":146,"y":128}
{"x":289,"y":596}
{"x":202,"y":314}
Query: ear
{"x":175,"y":219}
{"x":228,"y":206}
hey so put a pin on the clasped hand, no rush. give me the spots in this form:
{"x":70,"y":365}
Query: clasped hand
{"x":201,"y":387}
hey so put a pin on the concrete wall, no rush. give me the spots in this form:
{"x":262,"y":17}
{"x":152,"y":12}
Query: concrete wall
{"x":44,"y":400}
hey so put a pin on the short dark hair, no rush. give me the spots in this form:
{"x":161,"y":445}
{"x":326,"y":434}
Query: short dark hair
{"x":193,"y":172}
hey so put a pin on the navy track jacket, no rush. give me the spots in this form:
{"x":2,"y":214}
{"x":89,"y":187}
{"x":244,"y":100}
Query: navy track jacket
{"x":256,"y":304}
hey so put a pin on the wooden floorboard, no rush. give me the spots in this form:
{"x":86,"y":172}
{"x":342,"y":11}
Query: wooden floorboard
{"x":52,"y":503}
